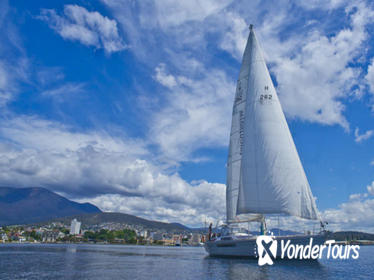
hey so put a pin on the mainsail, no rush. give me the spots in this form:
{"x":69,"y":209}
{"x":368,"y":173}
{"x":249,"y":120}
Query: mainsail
{"x":236,"y":143}
{"x":264,"y":172}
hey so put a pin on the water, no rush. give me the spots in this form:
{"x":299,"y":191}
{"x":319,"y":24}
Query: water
{"x":71,"y":261}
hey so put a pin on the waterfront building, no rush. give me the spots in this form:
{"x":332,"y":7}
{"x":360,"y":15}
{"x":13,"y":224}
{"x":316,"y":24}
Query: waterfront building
{"x":144,"y":234}
{"x":177,"y":238}
{"x":4,"y":237}
{"x":156,"y":236}
{"x":21,"y":239}
{"x":50,"y":236}
{"x":168,"y":242}
{"x":75,"y":227}
{"x":195,"y":239}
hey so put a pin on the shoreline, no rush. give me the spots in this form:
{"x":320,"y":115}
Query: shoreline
{"x":97,"y":243}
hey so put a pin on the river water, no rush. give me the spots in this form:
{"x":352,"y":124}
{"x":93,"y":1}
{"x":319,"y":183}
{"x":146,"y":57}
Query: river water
{"x":81,"y":261}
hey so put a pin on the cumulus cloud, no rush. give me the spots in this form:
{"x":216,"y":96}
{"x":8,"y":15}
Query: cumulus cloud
{"x":115,"y":173}
{"x":170,"y":199}
{"x":362,"y":137}
{"x":354,"y":214}
{"x":118,"y":174}
{"x":89,"y":28}
{"x":42,"y":153}
{"x":315,"y":80}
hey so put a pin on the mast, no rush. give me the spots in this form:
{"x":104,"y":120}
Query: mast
{"x":264,"y":173}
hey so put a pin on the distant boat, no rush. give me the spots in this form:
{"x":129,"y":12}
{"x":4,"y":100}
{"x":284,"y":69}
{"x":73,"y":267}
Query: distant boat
{"x":264,"y":172}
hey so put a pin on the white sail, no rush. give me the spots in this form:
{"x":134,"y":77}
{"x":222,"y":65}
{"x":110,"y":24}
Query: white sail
{"x":236,"y":144}
{"x":266,"y":163}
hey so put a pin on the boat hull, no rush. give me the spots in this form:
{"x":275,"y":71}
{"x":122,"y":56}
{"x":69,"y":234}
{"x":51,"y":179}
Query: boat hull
{"x":247,"y":248}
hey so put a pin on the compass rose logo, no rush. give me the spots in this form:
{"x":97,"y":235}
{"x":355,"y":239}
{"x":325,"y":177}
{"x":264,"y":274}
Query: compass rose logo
{"x":266,"y":249}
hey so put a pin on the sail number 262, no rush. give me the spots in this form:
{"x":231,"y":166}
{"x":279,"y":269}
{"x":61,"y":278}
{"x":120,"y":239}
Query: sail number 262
{"x":265,"y":96}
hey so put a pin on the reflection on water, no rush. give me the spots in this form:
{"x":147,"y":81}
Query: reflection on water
{"x":248,"y":269}
{"x":19,"y":261}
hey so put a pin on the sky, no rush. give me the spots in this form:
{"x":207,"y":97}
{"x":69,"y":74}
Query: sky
{"x":127,"y":104}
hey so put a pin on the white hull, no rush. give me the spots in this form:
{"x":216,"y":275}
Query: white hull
{"x":246,"y":248}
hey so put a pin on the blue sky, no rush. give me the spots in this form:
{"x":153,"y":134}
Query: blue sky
{"x":127,"y":104}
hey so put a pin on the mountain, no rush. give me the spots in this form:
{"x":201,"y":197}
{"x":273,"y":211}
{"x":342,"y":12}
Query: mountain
{"x":282,"y":232}
{"x":350,"y":235}
{"x":31,"y":205}
{"x":120,"y":218}
{"x":39,"y":205}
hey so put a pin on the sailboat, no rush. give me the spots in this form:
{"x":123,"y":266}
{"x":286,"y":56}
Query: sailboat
{"x":264,"y":173}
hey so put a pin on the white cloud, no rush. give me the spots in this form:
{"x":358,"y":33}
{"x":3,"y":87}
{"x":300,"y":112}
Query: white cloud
{"x":48,"y":76}
{"x":315,"y":81}
{"x":315,"y":72}
{"x":235,"y":37}
{"x":365,"y":136}
{"x":170,"y":199}
{"x":13,"y":62}
{"x":196,"y":114}
{"x":115,"y":173}
{"x":354,"y":196}
{"x":5,"y":92}
{"x":314,"y":67}
{"x":67,"y":88}
{"x":355,"y":214}
{"x":118,"y":174}
{"x":371,"y":188}
{"x":163,"y":78}
{"x":49,"y":155}
{"x":322,"y":4}
{"x":89,"y":28}
{"x":370,"y":76}
{"x":172,"y":13}
{"x":12,"y":73}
